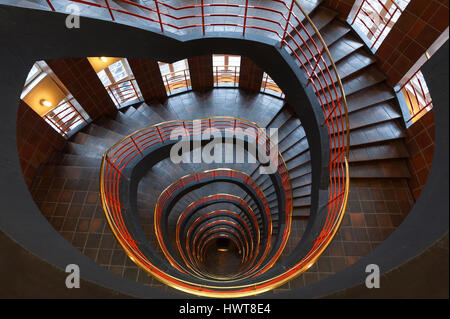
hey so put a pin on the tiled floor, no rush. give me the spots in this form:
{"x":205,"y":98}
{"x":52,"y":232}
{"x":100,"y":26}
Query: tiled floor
{"x":375,"y":209}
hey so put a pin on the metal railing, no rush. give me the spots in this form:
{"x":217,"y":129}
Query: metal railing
{"x":226,"y":75}
{"x":117,"y":158}
{"x":244,"y":178}
{"x":64,"y":118}
{"x":185,"y":215}
{"x":270,"y":87}
{"x":417,"y":97}
{"x":301,"y":38}
{"x":123,"y":92}
{"x":177,"y":81}
{"x":376,"y":18}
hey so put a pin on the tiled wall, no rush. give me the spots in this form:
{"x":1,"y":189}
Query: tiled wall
{"x":420,"y":144}
{"x":82,"y":82}
{"x":148,"y":77}
{"x":251,"y":75}
{"x":343,"y":7}
{"x":418,"y":27}
{"x":201,"y":71}
{"x":36,"y":141}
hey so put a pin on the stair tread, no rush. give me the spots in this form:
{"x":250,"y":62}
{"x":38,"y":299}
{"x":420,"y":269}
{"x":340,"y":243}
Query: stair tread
{"x":321,"y":17}
{"x":396,"y":168}
{"x":377,"y":133}
{"x":75,"y":160}
{"x":393,"y":149}
{"x":301,"y":212}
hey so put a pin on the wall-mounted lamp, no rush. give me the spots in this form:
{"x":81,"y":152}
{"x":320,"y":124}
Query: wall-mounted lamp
{"x":104,"y":59}
{"x":46,"y":103}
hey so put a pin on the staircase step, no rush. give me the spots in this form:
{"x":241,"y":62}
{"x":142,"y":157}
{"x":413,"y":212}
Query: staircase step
{"x":163,"y":110}
{"x":339,"y":50}
{"x":83,"y":150}
{"x":385,"y":131}
{"x":102,"y":132}
{"x":93,"y":141}
{"x":301,"y":191}
{"x":71,"y":172}
{"x":132,"y":124}
{"x":153,"y":117}
{"x":393,"y":149}
{"x":301,"y":211}
{"x":380,"y":169}
{"x":299,"y":149}
{"x":288,"y":127}
{"x":301,"y":181}
{"x":302,"y":202}
{"x":331,"y":33}
{"x":294,"y":137}
{"x":368,"y":97}
{"x":321,"y":17}
{"x":75,"y":160}
{"x":359,"y":82}
{"x":300,"y":170}
{"x":114,"y":126}
{"x":280,"y":118}
{"x":378,"y":113}
{"x":350,"y":66}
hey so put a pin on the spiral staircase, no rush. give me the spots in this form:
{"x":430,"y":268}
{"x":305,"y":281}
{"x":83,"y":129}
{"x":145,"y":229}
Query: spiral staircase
{"x":227,"y":230}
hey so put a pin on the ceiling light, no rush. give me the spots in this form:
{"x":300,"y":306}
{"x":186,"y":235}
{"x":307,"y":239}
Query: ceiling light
{"x":46,"y":103}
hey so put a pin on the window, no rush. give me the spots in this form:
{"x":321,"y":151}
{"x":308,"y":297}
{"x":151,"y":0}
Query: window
{"x":104,"y":78}
{"x":176,"y":76}
{"x":412,"y":90}
{"x":118,"y":71}
{"x":226,"y":69}
{"x":270,"y":87}
{"x":48,"y":97}
{"x":67,"y":117}
{"x":118,"y":80}
{"x":375,"y":18}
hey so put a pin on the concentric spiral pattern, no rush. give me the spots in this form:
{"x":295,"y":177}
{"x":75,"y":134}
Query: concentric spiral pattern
{"x":248,"y":229}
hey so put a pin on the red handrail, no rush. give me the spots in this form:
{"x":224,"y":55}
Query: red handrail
{"x":123,"y":91}
{"x":375,"y":19}
{"x":64,"y":117}
{"x":295,"y":38}
{"x":120,"y":155}
{"x":226,"y":74}
{"x":178,"y":80}
{"x":269,"y":86}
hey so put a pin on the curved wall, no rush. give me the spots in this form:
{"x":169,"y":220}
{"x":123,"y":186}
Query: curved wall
{"x":23,"y":30}
{"x":20,"y":218}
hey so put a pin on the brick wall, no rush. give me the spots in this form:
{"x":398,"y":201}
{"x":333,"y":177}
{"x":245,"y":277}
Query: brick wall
{"x":343,"y":7}
{"x":82,"y":82}
{"x":201,"y":71}
{"x":250,"y":76}
{"x":36,"y":141}
{"x":420,"y":142}
{"x":417,"y":28}
{"x":148,"y":77}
